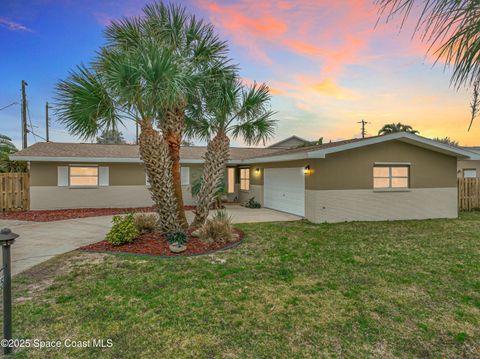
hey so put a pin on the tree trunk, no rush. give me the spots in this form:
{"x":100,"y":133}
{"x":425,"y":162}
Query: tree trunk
{"x":155,"y":154}
{"x":172,"y":127}
{"x":216,"y":159}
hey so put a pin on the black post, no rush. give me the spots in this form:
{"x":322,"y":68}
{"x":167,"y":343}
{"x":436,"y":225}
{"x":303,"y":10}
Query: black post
{"x":7,"y":237}
{"x":24,"y":116}
{"x":7,"y":297}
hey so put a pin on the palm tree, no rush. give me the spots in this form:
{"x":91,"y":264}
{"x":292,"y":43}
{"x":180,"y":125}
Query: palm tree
{"x":451,"y":28}
{"x":447,"y":141}
{"x":396,"y":127}
{"x":149,"y":70}
{"x":6,"y":149}
{"x":233,"y":110}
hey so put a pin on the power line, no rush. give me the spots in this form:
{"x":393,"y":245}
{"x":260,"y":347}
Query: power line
{"x":31,"y":125}
{"x":4,"y":107}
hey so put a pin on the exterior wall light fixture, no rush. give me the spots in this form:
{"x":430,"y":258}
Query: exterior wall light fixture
{"x":307,"y":170}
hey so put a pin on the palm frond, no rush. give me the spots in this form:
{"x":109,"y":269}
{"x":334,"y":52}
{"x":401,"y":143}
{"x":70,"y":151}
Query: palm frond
{"x":256,"y":130}
{"x":450,"y":27}
{"x":6,"y":145}
{"x":84,"y":105}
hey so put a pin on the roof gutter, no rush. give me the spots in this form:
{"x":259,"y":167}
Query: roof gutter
{"x":99,"y":159}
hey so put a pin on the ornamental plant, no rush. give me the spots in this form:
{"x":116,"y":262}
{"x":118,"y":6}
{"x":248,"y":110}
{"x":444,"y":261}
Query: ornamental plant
{"x":123,"y":230}
{"x":177,"y":237}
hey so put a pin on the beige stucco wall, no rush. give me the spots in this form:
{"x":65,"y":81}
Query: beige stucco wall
{"x":367,"y":205}
{"x":342,"y":183}
{"x":255,"y":191}
{"x":126,"y":187}
{"x":461,"y":165}
{"x":53,"y":197}
{"x":353,"y":169}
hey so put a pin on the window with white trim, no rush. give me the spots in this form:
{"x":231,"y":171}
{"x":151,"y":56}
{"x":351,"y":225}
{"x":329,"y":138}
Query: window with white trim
{"x":185,"y":176}
{"x":231,"y":180}
{"x":469,"y":173}
{"x":245,"y":179}
{"x":83,"y":176}
{"x":391,"y":177}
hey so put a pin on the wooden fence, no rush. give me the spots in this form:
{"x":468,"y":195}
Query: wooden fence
{"x":468,"y":194}
{"x":14,"y":191}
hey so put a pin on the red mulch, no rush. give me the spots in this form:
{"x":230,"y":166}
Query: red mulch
{"x":155,"y":244}
{"x":60,"y":214}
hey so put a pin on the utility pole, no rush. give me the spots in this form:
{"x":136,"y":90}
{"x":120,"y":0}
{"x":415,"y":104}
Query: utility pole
{"x":47,"y":122}
{"x":24,"y":115}
{"x":364,"y":132}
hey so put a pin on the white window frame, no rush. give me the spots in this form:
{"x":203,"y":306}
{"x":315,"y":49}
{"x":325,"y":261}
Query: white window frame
{"x":391,"y":176}
{"x":244,"y":179}
{"x":185,"y":176}
{"x":469,"y":169}
{"x":83,"y":166}
{"x":230,"y":180}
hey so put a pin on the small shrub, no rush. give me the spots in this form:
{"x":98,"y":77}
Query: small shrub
{"x":251,"y":203}
{"x":217,"y":229}
{"x":123,"y":230}
{"x":146,"y":222}
{"x":179,"y":237}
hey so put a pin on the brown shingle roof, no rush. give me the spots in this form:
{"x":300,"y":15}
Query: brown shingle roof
{"x":310,"y":148}
{"x":95,"y":150}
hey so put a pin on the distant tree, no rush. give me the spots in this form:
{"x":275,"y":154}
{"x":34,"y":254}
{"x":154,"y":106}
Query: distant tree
{"x":312,"y":143}
{"x":187,"y":143}
{"x":396,"y":127}
{"x":447,"y":140}
{"x":6,"y":149}
{"x":111,"y":137}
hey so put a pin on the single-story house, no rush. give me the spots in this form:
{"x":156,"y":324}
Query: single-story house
{"x":470,"y":168}
{"x":390,"y":177}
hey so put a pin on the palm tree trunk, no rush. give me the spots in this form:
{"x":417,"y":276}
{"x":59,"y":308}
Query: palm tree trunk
{"x":216,"y":159}
{"x":155,"y":154}
{"x":173,"y":126}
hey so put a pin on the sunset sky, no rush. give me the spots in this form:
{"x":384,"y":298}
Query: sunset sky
{"x":326,"y":63}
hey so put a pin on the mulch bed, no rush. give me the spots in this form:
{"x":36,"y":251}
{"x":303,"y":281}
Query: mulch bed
{"x":155,"y":244}
{"x":61,"y":214}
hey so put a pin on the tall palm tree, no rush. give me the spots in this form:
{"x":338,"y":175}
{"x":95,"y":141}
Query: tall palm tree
{"x":450,"y":27}
{"x":231,"y":110}
{"x":396,"y":127}
{"x":149,"y":70}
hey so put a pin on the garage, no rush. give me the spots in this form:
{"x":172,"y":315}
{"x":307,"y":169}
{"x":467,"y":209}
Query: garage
{"x":284,"y":190}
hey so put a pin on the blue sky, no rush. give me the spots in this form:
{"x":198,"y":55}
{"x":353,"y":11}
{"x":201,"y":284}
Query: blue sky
{"x":327,"y":66}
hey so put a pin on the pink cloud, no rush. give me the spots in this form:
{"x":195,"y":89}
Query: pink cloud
{"x":13,"y":26}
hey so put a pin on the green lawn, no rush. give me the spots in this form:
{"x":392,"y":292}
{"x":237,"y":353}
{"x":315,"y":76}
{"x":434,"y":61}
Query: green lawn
{"x":291,"y":290}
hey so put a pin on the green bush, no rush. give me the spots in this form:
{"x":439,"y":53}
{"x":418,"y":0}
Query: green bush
{"x":146,"y":222}
{"x":123,"y":230}
{"x":251,"y":203}
{"x":217,"y":229}
{"x":177,"y":237}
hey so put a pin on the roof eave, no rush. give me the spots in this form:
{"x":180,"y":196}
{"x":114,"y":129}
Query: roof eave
{"x":280,"y":158}
{"x":99,"y":159}
{"x":402,"y":136}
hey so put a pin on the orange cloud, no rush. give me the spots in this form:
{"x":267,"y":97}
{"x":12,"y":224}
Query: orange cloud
{"x":329,"y":88}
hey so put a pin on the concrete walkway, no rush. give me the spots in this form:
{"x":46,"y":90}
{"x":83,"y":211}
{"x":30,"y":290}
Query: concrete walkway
{"x":40,"y":241}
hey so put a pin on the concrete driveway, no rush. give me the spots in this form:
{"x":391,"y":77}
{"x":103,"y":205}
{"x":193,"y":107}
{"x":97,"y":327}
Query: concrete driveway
{"x":40,"y":241}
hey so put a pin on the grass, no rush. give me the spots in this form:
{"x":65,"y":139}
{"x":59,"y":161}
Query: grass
{"x":292,"y":290}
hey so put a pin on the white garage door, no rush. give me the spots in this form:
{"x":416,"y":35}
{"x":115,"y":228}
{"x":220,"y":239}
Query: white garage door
{"x":284,"y":190}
